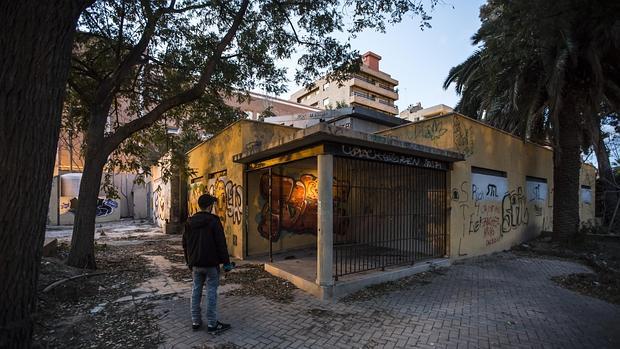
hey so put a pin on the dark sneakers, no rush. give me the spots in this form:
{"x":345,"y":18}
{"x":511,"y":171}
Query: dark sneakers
{"x":220,"y":327}
{"x":196,"y":325}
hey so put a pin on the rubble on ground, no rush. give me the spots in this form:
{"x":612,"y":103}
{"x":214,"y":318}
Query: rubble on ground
{"x":255,"y":281}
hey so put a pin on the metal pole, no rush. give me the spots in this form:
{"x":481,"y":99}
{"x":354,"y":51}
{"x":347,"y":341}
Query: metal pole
{"x":58,"y":192}
{"x":270,"y":220}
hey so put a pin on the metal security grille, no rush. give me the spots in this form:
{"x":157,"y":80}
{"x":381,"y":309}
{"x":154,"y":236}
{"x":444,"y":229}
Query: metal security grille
{"x":386,"y":214}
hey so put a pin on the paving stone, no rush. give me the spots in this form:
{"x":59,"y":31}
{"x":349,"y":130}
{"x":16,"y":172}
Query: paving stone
{"x":487,"y":302}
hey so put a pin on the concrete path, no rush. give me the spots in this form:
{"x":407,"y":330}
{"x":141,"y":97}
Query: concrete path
{"x":501,"y":301}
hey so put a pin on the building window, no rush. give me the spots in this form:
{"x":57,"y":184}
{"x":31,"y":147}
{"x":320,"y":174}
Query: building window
{"x":326,"y":102}
{"x":536,"y":189}
{"x":586,"y":194}
{"x":326,"y":86}
{"x":488,"y":185}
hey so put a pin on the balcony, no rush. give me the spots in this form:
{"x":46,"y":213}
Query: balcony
{"x":367,"y":100}
{"x":379,"y":74}
{"x":363,"y":95}
{"x":375,"y":87}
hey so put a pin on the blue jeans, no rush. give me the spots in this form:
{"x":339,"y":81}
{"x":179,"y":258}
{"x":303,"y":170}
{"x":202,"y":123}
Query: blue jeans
{"x":212,"y":277}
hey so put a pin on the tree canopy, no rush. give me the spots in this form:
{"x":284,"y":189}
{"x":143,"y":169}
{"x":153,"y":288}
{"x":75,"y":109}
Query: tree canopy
{"x":139,"y":63}
{"x":542,"y":70}
{"x":532,"y":55}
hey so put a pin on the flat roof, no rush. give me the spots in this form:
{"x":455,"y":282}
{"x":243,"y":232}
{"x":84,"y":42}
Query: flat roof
{"x":327,"y":133}
{"x":357,"y":112}
{"x":476,"y":121}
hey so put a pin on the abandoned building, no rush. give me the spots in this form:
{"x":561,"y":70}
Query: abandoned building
{"x":333,"y":208}
{"x":138,"y":201}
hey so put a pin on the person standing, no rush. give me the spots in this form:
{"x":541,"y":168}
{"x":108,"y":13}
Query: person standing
{"x":204,"y":246}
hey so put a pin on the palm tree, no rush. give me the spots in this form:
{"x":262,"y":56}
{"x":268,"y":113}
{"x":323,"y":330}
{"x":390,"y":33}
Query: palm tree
{"x":545,"y":65}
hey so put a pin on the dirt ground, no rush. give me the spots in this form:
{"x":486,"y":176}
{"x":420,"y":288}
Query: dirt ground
{"x":89,"y":311}
{"x":111,"y":307}
{"x":603,"y":256}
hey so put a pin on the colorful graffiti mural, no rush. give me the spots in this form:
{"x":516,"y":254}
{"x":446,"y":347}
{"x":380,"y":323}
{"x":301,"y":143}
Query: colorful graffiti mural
{"x":294,"y":205}
{"x":229,"y":206}
{"x":105,"y":206}
{"x":196,"y":189}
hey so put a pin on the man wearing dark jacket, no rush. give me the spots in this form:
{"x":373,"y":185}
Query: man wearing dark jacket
{"x":204,"y":245}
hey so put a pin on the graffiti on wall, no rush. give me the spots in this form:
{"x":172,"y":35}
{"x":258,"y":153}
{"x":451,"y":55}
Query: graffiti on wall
{"x":463,"y":138}
{"x":161,"y":195}
{"x":229,"y":205}
{"x":373,"y":154}
{"x":492,"y":211}
{"x":196,"y":189}
{"x":487,"y":191}
{"x":433,"y":131}
{"x":105,"y":206}
{"x":294,"y":205}
{"x":486,"y":187}
{"x":514,"y":210}
{"x":536,"y":195}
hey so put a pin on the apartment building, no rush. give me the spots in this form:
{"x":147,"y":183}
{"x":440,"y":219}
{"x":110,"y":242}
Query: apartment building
{"x":415,"y":112}
{"x":370,"y":88}
{"x":257,"y":105}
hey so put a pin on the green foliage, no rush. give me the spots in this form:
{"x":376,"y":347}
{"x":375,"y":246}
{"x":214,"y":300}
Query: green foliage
{"x":534,"y":57}
{"x":341,"y":104}
{"x":141,"y":66}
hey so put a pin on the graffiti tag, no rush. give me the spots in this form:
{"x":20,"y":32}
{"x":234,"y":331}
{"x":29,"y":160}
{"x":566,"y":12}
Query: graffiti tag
{"x":371,"y":154}
{"x":514,"y":210}
{"x":229,"y":196}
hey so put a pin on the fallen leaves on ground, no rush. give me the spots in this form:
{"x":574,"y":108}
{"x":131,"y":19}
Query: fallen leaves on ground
{"x":82,"y":312}
{"x":602,"y":256}
{"x":255,"y":281}
{"x":590,"y":284}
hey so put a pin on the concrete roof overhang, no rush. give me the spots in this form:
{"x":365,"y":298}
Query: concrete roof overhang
{"x":327,"y":133}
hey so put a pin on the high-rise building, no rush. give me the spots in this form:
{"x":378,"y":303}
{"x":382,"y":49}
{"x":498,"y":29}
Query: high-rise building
{"x":370,"y":88}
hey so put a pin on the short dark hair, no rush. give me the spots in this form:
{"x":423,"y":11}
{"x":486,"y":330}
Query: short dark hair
{"x":206,"y":200}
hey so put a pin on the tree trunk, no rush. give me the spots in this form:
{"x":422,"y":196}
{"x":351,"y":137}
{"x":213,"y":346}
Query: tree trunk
{"x":82,"y":254}
{"x":567,"y":163}
{"x":36,"y":39}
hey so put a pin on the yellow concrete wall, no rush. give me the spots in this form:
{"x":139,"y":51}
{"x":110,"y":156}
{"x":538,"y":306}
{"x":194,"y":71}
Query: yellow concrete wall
{"x":217,"y":174}
{"x":489,"y":214}
{"x":587,"y":194}
{"x":435,"y":132}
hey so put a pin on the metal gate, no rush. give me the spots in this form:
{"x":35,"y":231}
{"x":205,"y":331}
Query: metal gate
{"x":386,"y":214}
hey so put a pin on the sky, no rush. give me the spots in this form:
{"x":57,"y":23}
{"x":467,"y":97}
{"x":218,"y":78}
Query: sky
{"x":420,"y":60}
